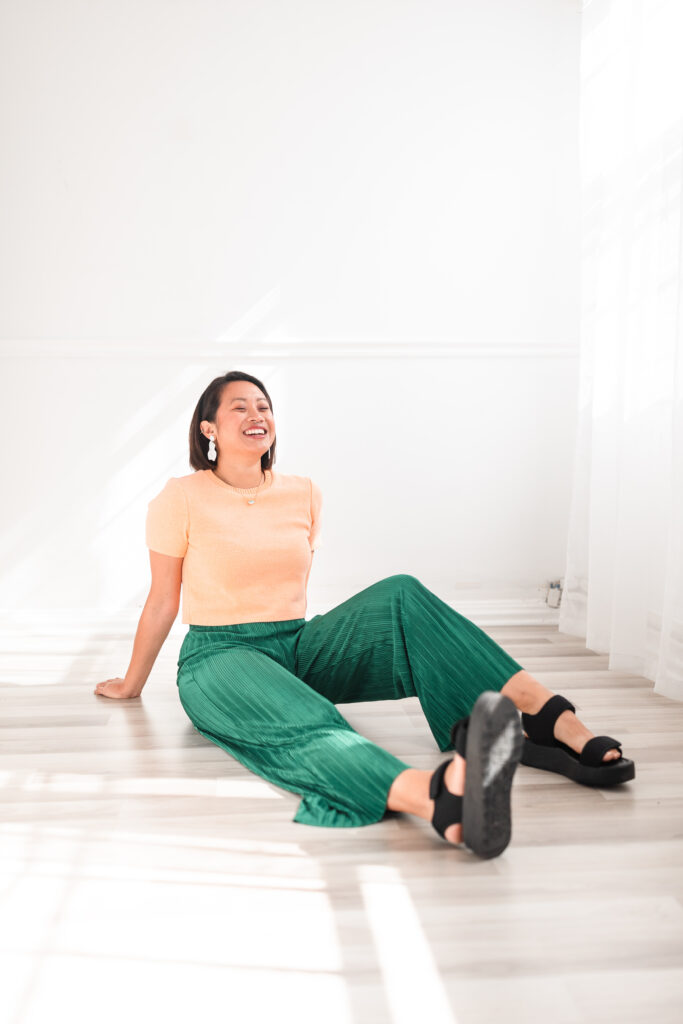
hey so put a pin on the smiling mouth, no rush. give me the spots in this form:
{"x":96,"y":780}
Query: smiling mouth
{"x":257,"y":434}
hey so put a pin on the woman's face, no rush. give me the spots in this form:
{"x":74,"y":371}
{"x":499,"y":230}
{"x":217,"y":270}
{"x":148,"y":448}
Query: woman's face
{"x":243,"y":407}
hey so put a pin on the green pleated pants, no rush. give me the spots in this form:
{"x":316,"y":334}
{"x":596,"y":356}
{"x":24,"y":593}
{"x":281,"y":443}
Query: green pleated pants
{"x":266,"y":691}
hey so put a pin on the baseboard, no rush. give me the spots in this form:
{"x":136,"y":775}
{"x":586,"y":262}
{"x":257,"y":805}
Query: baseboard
{"x":84,"y":622}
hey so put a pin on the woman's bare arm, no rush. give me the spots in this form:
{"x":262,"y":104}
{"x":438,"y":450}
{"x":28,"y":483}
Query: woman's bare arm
{"x":158,"y":615}
{"x":153,"y":628}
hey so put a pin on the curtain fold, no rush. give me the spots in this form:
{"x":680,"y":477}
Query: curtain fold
{"x":623,"y":588}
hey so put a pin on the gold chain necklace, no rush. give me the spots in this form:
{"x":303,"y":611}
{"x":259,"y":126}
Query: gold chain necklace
{"x":244,"y":490}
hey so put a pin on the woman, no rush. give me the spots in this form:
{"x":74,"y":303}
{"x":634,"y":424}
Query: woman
{"x":261,"y":681}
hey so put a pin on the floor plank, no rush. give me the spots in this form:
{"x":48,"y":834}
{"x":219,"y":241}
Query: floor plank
{"x":138,"y":857}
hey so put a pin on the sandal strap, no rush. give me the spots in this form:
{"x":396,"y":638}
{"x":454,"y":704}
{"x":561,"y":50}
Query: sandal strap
{"x":459,"y":735}
{"x":447,"y":806}
{"x":595,"y":749}
{"x":539,"y":727}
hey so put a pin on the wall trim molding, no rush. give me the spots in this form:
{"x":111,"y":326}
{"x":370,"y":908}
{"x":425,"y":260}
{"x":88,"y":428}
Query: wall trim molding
{"x":88,"y":623}
{"x":269,"y":350}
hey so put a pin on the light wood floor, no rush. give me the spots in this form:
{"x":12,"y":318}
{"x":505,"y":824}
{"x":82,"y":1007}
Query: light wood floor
{"x":145,"y":872}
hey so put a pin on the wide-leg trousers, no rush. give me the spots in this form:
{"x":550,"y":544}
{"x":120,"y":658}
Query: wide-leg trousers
{"x":266,"y":691}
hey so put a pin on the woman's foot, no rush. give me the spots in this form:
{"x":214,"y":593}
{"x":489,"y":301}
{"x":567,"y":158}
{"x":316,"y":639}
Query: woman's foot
{"x":409,"y":793}
{"x":529,"y":696}
{"x":490,"y":738}
{"x":454,"y":780}
{"x":493,"y":736}
{"x":568,"y":729}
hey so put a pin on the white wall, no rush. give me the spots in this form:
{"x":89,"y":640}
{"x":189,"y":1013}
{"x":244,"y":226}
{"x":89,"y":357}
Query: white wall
{"x":372,"y":205}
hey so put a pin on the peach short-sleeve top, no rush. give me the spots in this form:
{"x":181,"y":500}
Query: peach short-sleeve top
{"x":247,"y":553}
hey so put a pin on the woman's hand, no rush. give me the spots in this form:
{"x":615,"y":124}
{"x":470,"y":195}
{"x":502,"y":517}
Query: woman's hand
{"x":113,"y":688}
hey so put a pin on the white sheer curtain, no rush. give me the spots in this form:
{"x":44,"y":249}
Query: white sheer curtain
{"x":624,"y":576}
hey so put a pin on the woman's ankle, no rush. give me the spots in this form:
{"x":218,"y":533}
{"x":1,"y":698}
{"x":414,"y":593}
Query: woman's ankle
{"x":409,"y":793}
{"x":526,"y":693}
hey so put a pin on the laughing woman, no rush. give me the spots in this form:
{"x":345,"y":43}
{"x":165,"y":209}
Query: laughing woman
{"x":261,"y":681}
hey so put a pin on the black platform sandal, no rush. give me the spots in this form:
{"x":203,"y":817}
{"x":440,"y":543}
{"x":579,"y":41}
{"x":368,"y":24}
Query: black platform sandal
{"x":490,"y":740}
{"x":542,"y":750}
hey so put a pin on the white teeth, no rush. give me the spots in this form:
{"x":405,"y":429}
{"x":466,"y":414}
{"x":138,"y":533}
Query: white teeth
{"x":251,"y":432}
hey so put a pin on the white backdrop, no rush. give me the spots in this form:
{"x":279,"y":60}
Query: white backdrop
{"x":372,"y":205}
{"x":624,"y":580}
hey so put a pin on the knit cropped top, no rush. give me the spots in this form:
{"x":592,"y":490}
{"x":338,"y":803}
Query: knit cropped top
{"x":247,"y":553}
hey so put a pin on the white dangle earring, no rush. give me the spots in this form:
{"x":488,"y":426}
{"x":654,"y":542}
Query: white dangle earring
{"x":212,"y":450}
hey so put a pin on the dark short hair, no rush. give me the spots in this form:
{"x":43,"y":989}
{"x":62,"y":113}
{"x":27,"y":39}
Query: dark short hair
{"x":206,"y":409}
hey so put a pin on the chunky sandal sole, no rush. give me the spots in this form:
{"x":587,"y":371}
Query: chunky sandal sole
{"x":556,"y":759}
{"x":543,"y":750}
{"x":494,"y":746}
